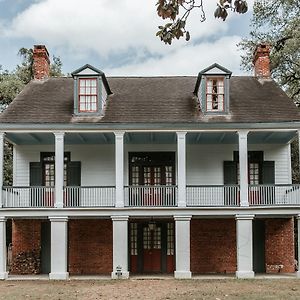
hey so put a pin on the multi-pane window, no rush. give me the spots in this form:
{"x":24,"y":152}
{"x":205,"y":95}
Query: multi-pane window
{"x":157,"y":175}
{"x":215,"y":94}
{"x":133,"y":238}
{"x":253,"y":173}
{"x":169,"y":175}
{"x":135,"y":175}
{"x":48,"y":160}
{"x":147,"y":175}
{"x":146,"y":238}
{"x":88,"y":98}
{"x":157,"y":238}
{"x":170,"y":238}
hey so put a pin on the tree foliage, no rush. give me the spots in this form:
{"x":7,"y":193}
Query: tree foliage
{"x":178,"y":11}
{"x":11,"y":84}
{"x":277,"y":22}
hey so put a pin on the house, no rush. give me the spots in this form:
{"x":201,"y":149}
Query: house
{"x":131,"y":175}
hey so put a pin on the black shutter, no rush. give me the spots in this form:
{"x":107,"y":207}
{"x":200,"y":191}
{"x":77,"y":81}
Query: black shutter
{"x":74,"y":179}
{"x":268,"y":172}
{"x":36,"y":178}
{"x":74,"y":173}
{"x":230,"y":172}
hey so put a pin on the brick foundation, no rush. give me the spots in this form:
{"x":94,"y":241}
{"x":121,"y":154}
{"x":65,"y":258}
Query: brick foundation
{"x":279,"y":245}
{"x":213,"y":246}
{"x":90,"y":246}
{"x":26,"y":242}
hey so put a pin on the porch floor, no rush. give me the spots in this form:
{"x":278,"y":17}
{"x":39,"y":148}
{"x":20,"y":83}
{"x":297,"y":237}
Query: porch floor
{"x":154,"y":277}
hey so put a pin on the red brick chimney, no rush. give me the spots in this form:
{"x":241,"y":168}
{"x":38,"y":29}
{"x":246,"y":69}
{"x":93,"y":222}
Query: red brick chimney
{"x":261,"y":61}
{"x":41,"y":62}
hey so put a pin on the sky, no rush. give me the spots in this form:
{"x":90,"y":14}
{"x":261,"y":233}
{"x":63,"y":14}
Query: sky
{"x":118,"y":36}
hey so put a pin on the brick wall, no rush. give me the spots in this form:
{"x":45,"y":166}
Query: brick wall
{"x":213,"y":246}
{"x":279,"y":245}
{"x":90,"y":246}
{"x":26,"y":241}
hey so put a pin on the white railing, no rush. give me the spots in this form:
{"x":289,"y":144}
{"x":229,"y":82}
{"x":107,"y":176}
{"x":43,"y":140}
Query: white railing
{"x":158,"y":195}
{"x":274,"y":194}
{"x":212,"y":195}
{"x":89,"y":196}
{"x":33,"y":196}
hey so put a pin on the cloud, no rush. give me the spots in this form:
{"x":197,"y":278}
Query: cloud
{"x":114,"y":28}
{"x":188,"y":60}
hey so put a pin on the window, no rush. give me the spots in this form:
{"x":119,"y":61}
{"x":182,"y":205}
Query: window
{"x":88,"y":96}
{"x":48,"y":160}
{"x":215,"y":94}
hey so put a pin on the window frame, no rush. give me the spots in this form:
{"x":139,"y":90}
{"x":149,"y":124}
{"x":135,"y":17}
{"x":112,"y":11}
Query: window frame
{"x":209,"y":78}
{"x":79,"y":95}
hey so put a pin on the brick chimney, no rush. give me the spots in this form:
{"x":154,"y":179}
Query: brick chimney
{"x":41,"y":62}
{"x":261,"y":61}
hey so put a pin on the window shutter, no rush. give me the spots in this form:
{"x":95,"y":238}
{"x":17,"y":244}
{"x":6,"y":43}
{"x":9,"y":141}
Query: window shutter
{"x":74,"y":173}
{"x":230,"y":172}
{"x":35,"y":174}
{"x":268,"y":172}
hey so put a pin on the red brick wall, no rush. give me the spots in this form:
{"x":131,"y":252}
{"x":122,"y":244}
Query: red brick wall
{"x":213,"y":246}
{"x":26,"y":237}
{"x":90,"y":246}
{"x":279,"y":245}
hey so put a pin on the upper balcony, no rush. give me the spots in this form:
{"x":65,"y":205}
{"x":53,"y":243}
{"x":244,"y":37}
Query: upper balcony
{"x":210,"y":196}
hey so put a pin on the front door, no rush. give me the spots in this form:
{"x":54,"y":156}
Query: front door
{"x":151,"y":249}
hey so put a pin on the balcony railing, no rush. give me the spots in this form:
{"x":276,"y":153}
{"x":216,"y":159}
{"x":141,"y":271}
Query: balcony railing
{"x":33,"y":196}
{"x":212,"y":195}
{"x":272,"y":195}
{"x":156,"y":195}
{"x":89,"y":196}
{"x":152,"y":196}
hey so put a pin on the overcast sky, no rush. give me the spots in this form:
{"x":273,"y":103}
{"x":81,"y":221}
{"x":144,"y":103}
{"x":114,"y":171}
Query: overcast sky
{"x":118,"y":36}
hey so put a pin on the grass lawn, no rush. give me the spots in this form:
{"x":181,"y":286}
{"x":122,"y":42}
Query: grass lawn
{"x":152,"y":289}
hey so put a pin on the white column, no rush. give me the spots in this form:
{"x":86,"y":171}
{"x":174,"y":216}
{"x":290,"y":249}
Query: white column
{"x":59,"y":169}
{"x":2,"y":134}
{"x":298,"y":226}
{"x":181,"y":168}
{"x":243,"y":164}
{"x":3,"y":272}
{"x":244,"y":244}
{"x":299,"y":150}
{"x":119,"y":152}
{"x":182,"y":247}
{"x":120,"y":247}
{"x":59,"y":248}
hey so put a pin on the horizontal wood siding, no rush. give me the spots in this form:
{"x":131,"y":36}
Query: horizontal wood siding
{"x":204,"y":162}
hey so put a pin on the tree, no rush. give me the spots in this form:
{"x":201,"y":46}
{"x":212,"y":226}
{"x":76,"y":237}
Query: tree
{"x":178,"y":11}
{"x":11,"y":84}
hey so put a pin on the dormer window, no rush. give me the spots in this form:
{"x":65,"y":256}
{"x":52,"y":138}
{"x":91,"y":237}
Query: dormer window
{"x":215,"y":94}
{"x":212,"y":90}
{"x":91,"y":90}
{"x":88,"y":95}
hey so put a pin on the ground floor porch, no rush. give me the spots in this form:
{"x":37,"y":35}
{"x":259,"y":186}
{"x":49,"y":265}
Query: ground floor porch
{"x":181,"y":246}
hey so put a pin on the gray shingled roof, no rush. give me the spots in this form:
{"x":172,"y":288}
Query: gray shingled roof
{"x":151,"y":99}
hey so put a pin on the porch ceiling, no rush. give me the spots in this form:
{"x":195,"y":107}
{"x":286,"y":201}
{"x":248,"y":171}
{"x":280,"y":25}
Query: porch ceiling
{"x":254,"y":137}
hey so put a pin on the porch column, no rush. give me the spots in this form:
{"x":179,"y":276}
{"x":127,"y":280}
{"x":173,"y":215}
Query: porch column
{"x":59,"y":169}
{"x":243,"y":165}
{"x":119,"y":152}
{"x":298,"y":245}
{"x":181,"y":168}
{"x":3,"y":272}
{"x":120,"y":247}
{"x":244,"y":246}
{"x":299,"y":149}
{"x":182,"y":247}
{"x":2,"y":134}
{"x":59,"y":248}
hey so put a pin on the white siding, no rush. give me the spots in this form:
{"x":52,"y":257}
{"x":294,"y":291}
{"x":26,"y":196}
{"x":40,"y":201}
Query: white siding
{"x":204,"y":162}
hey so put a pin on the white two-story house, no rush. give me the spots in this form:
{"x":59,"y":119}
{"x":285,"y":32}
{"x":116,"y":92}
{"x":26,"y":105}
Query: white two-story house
{"x":143,"y":175}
